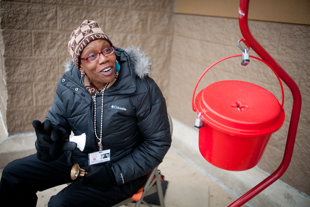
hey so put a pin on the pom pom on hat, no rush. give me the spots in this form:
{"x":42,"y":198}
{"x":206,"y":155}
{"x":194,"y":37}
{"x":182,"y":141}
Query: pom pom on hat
{"x":87,"y":32}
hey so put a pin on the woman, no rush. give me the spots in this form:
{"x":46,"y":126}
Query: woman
{"x":107,"y":94}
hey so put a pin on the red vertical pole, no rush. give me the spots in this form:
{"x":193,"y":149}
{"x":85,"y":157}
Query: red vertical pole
{"x":243,"y":24}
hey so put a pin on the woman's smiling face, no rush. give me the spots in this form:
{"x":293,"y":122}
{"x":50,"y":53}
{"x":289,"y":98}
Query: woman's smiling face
{"x":101,"y":71}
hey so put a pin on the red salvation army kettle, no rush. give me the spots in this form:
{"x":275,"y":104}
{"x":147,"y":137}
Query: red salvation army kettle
{"x":235,"y":121}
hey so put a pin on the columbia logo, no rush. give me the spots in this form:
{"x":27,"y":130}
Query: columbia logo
{"x":118,"y":107}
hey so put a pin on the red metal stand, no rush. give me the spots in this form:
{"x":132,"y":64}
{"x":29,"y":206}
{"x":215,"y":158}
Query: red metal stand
{"x":243,"y":23}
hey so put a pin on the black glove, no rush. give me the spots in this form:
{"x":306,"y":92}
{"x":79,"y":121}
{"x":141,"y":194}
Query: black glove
{"x":100,"y":176}
{"x":51,"y":141}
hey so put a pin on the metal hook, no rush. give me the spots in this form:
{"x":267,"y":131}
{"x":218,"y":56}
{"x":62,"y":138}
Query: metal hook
{"x":244,"y":41}
{"x":245,"y":59}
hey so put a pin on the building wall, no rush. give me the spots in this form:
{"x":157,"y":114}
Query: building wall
{"x":3,"y":90}
{"x":285,"y":11}
{"x":35,"y":35}
{"x":199,"y":41}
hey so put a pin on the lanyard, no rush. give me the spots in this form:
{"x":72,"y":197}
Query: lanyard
{"x":101,"y":118}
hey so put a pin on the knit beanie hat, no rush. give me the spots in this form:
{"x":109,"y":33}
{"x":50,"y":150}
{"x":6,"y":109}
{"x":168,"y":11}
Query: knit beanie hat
{"x":88,"y":31}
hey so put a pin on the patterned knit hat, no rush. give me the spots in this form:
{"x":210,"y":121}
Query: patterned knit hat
{"x":88,"y":31}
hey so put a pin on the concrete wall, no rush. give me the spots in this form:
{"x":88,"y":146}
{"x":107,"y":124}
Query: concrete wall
{"x":199,"y":41}
{"x":35,"y":34}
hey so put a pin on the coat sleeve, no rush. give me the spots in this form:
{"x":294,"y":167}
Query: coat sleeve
{"x":154,"y":127}
{"x":57,"y":114}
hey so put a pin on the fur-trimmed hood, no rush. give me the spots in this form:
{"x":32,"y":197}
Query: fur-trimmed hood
{"x":141,"y":62}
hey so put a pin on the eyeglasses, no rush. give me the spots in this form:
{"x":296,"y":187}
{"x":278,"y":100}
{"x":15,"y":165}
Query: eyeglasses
{"x":93,"y":57}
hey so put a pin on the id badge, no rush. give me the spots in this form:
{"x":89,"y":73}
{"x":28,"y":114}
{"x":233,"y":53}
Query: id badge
{"x":99,"y":157}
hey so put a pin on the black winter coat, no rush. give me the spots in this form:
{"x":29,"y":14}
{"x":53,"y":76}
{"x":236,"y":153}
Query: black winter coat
{"x":135,"y":121}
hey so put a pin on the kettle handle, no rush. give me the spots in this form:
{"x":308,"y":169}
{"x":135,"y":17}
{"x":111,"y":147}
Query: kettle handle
{"x":232,"y":56}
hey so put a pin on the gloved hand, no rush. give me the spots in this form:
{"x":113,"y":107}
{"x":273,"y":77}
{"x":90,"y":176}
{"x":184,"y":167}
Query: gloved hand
{"x":51,"y":142}
{"x":100,"y":176}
